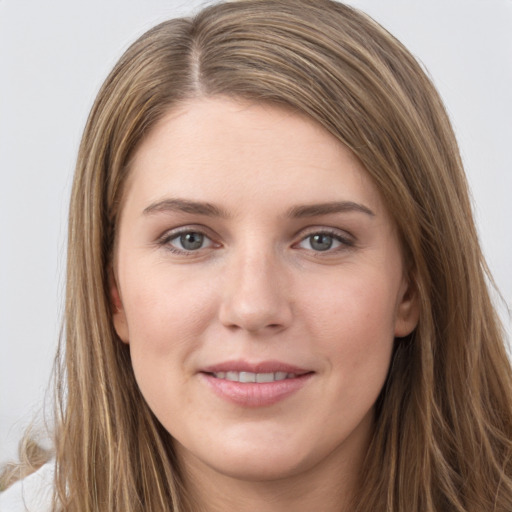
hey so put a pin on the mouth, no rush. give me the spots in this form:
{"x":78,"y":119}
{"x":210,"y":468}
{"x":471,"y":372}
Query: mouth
{"x":251,"y":377}
{"x":255,"y":385}
{"x":261,"y":372}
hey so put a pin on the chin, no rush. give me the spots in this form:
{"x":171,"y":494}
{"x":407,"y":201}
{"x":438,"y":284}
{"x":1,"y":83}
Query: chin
{"x":259,"y":460}
{"x":260,"y":469}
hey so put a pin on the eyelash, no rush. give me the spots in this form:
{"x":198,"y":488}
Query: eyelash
{"x":168,"y":237}
{"x":346,"y":242}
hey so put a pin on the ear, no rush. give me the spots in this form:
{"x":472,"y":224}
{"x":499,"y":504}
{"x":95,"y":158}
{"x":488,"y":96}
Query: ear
{"x":118,"y":313}
{"x":408,"y":308}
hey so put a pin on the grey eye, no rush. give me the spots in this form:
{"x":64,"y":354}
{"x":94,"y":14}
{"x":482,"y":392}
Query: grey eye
{"x":321,"y":242}
{"x":191,"y":241}
{"x":186,"y":242}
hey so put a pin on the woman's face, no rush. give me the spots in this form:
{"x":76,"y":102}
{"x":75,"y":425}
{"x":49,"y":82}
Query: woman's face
{"x":259,"y":283}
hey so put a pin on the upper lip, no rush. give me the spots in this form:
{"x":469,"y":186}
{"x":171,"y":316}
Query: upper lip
{"x":259,"y":367}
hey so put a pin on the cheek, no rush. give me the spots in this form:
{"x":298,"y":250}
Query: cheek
{"x":165,"y":311}
{"x":352,"y":304}
{"x":167,"y":317}
{"x":352,"y":319}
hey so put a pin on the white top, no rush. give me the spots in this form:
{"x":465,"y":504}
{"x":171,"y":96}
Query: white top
{"x":32,"y":494}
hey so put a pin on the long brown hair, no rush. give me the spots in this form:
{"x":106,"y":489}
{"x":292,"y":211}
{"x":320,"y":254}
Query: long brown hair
{"x":443,"y":428}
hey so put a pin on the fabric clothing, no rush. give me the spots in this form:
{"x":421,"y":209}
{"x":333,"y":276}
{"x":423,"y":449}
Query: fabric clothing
{"x":32,"y":494}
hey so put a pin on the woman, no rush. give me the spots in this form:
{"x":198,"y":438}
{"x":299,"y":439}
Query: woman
{"x":275,"y":292}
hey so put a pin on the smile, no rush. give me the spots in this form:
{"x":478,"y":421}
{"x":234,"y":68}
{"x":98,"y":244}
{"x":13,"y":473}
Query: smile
{"x":255,"y":384}
{"x":251,"y":377}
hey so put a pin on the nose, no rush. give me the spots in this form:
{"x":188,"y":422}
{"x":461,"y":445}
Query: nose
{"x":255,"y":295}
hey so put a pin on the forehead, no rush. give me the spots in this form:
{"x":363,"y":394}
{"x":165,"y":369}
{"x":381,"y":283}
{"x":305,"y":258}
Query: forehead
{"x":244,"y":154}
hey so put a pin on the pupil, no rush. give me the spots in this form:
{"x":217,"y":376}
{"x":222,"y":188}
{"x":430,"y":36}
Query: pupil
{"x":321,"y":242}
{"x":191,"y":241}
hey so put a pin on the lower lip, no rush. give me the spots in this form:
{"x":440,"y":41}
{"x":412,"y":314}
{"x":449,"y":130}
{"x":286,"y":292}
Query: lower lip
{"x":251,"y":394}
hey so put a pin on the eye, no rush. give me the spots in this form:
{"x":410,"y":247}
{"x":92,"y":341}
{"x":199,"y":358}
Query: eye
{"x":186,"y":241}
{"x":324,"y":241}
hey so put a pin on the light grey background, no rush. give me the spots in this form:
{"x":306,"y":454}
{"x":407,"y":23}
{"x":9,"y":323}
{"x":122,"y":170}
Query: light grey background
{"x":53,"y":58}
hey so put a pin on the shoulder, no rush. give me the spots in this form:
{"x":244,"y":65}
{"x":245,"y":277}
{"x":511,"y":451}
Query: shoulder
{"x":32,"y":494}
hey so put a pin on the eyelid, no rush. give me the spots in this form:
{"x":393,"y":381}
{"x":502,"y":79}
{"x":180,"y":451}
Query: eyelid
{"x":344,"y":237}
{"x":171,"y":234}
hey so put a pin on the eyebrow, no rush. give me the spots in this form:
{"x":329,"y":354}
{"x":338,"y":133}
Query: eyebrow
{"x":186,"y":206}
{"x":297,"y":212}
{"x":316,"y":210}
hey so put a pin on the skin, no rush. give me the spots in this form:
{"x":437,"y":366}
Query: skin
{"x":259,"y":289}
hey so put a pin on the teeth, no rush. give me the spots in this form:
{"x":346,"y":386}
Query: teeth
{"x":247,"y":377}
{"x":254,"y":377}
{"x":265,"y":377}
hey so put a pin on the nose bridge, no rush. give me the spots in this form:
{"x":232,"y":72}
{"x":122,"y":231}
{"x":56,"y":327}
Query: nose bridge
{"x":254,"y":297}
